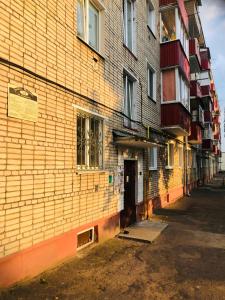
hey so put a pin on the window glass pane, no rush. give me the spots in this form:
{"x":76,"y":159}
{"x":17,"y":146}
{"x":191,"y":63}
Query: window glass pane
{"x":151,"y":157}
{"x":151,"y":16}
{"x":130,"y":97}
{"x":150,"y":83}
{"x":93,"y":27}
{"x":81,"y":140}
{"x":95,"y":142}
{"x":80,"y":18}
{"x":130,"y":24}
{"x":171,"y":155}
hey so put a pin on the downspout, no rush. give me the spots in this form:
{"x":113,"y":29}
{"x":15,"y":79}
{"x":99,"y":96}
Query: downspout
{"x":186,"y":192}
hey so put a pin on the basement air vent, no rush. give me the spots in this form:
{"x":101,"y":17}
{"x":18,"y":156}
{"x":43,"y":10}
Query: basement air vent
{"x":85,"y":238}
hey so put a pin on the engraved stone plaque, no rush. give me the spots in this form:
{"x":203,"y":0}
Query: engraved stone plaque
{"x":22,"y":104}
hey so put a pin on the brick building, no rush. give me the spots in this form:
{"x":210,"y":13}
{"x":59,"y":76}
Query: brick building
{"x":94,"y":123}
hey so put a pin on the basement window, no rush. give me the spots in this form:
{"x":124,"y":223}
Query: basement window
{"x":85,"y":238}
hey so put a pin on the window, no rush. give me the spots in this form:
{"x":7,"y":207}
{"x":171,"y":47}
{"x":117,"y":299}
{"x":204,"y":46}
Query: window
{"x":88,"y":22}
{"x":129,"y":24}
{"x":151,"y":83}
{"x":89,"y":142}
{"x":170,"y":155}
{"x":182,"y":90}
{"x":194,"y":162}
{"x":129,"y":99}
{"x":181,"y":156}
{"x":153,"y":158}
{"x":151,"y":16}
{"x":189,"y":158}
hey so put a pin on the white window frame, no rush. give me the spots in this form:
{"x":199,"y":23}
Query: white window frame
{"x":181,"y":156}
{"x":97,"y":4}
{"x":182,"y":90}
{"x":127,"y":122}
{"x":181,"y":33}
{"x":151,"y":17}
{"x":133,"y":25}
{"x":87,"y":166}
{"x":170,"y":160}
{"x":153,"y":151}
{"x":194,"y":160}
{"x":189,"y":158}
{"x":150,"y":68}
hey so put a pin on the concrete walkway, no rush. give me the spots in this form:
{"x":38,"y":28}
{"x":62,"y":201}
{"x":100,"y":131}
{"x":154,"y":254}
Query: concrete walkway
{"x":187,"y":261}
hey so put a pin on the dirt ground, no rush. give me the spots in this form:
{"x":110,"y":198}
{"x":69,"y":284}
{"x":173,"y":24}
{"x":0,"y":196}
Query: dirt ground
{"x":186,"y":262}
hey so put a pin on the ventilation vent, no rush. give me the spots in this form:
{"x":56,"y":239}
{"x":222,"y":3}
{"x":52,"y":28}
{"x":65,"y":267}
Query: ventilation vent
{"x":85,"y":238}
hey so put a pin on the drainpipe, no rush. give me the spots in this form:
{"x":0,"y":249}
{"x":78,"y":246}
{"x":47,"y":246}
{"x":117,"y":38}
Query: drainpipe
{"x":186,"y":167}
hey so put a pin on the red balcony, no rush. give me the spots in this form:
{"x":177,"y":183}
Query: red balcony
{"x":172,"y":55}
{"x":205,"y":59}
{"x":205,"y":90}
{"x":215,"y":150}
{"x":175,"y":119}
{"x":196,"y":134}
{"x":216,"y":119}
{"x":195,"y":58}
{"x":181,"y":6}
{"x":207,"y":145}
{"x":207,"y":116}
{"x":217,"y":136}
{"x":212,"y":87}
{"x":195,"y":89}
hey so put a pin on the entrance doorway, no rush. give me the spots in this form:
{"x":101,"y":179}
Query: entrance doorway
{"x":128,"y":215}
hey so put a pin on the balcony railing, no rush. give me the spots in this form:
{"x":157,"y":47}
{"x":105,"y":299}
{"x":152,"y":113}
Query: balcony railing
{"x":205,"y":90}
{"x":207,"y":145}
{"x":207,"y":116}
{"x":205,"y":60}
{"x":217,"y":136}
{"x":175,"y":119}
{"x":195,"y":89}
{"x":196,"y":134}
{"x":216,"y":119}
{"x":172,"y":55}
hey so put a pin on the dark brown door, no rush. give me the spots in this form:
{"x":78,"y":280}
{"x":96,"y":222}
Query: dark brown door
{"x":128,"y":215}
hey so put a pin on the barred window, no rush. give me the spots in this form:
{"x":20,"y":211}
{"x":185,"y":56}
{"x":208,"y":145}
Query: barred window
{"x":89,"y":142}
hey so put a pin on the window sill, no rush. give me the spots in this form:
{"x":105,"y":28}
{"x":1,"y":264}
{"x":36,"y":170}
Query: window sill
{"x":130,"y":51}
{"x":95,"y":51}
{"x":80,"y":172}
{"x":150,"y":30}
{"x":169,"y":167}
{"x":153,"y":169}
{"x":150,"y":98}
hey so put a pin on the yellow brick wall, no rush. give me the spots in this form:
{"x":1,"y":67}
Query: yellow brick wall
{"x":41,"y":192}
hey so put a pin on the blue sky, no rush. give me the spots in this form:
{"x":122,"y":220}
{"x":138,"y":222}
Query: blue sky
{"x":212,"y":15}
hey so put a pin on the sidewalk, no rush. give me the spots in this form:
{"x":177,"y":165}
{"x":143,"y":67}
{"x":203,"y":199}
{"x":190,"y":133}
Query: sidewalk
{"x":186,"y":262}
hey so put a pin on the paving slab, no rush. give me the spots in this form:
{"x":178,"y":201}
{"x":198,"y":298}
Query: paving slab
{"x":145,"y":231}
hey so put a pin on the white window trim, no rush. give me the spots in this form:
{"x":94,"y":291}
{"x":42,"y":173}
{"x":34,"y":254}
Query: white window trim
{"x":133,"y":30}
{"x":151,"y":26}
{"x":155,"y":151}
{"x":86,"y":167}
{"x":181,"y":161}
{"x":101,"y":9}
{"x":170,"y":167}
{"x":154,"y":82}
{"x":127,"y":73}
{"x":178,"y":77}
